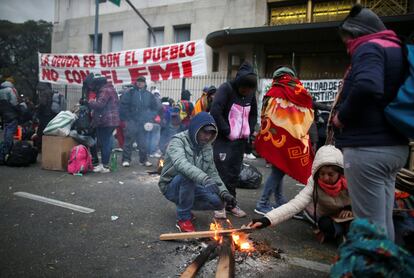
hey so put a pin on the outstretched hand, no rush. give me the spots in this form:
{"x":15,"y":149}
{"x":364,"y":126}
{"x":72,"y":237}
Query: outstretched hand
{"x":259,"y":223}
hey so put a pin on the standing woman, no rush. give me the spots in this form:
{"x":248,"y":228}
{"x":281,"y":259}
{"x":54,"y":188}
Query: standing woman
{"x":373,"y":150}
{"x":105,"y":118}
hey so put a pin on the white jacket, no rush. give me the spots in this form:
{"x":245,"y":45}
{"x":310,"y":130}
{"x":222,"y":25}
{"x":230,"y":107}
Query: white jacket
{"x":326,"y":155}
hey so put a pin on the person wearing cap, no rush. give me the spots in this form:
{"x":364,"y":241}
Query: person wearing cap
{"x":138,"y":109}
{"x":105,"y":118}
{"x":189,"y":177}
{"x":205,"y":101}
{"x":373,"y":150}
{"x":235,"y":111}
{"x":287,"y":115}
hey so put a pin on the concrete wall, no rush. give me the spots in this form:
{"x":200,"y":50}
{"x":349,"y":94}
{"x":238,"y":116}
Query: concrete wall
{"x":74,"y":22}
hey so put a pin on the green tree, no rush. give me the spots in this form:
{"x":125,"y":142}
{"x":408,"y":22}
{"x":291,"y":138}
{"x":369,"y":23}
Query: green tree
{"x":19,"y":44}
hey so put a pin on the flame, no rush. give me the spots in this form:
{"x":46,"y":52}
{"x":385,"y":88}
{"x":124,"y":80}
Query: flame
{"x":161,"y":163}
{"x":241,"y":240}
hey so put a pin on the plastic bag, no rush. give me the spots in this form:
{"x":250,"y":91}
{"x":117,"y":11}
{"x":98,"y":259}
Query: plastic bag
{"x":250,"y":177}
{"x":61,"y":124}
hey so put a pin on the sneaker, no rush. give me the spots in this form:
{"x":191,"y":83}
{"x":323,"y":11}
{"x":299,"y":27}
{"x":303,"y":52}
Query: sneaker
{"x":118,"y":150}
{"x":250,"y":156}
{"x":185,"y":226}
{"x":146,"y":163}
{"x":220,"y":214}
{"x":262,"y":210}
{"x":98,"y":169}
{"x":105,"y":170}
{"x":238,"y":212}
{"x":125,"y":164}
{"x":299,"y":216}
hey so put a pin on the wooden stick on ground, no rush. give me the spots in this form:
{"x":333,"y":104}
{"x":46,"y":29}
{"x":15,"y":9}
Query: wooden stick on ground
{"x":199,"y":261}
{"x":225,"y":265}
{"x":203,"y":234}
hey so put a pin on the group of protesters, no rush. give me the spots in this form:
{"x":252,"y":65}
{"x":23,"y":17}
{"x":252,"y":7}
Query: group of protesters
{"x":203,"y":145}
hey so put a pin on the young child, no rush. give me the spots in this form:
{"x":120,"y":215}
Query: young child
{"x":325,"y":195}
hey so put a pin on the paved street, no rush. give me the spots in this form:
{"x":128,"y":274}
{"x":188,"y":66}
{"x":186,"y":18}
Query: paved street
{"x":43,"y":240}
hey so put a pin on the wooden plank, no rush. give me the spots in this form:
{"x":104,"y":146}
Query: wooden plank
{"x":199,"y":261}
{"x":202,"y":234}
{"x":225,"y":265}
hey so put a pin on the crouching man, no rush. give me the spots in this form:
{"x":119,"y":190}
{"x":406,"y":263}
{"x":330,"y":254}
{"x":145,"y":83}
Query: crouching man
{"x":189,"y":177}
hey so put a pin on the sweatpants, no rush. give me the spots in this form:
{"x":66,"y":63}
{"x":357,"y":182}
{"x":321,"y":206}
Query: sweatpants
{"x":370,"y":173}
{"x":228,"y":157}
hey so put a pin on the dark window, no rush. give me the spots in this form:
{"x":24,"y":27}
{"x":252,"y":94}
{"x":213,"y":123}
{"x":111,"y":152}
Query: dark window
{"x":216,"y":59}
{"x":91,"y":39}
{"x":182,"y":33}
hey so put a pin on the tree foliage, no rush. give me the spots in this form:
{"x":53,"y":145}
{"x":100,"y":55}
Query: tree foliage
{"x":19,"y":44}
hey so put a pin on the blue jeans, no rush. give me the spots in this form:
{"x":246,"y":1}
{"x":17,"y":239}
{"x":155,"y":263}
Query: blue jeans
{"x":370,"y":173}
{"x":9,"y":131}
{"x":153,"y":139}
{"x":273,"y":185}
{"x":104,"y":135}
{"x":188,"y":195}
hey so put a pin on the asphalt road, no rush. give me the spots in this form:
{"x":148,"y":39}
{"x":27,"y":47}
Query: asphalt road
{"x":43,"y":240}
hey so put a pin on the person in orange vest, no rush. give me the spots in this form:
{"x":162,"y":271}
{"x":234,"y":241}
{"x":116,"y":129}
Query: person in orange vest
{"x":205,"y":101}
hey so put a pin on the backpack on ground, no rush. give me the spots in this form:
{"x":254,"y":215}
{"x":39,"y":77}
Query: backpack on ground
{"x":400,"y":111}
{"x":80,"y":160}
{"x":250,"y":177}
{"x":22,"y":154}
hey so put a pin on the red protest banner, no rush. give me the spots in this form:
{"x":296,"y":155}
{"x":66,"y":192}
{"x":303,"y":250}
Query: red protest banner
{"x":156,"y":63}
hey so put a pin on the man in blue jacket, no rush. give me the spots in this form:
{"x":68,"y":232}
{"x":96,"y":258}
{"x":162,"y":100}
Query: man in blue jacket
{"x":138,"y":109}
{"x":189,"y":177}
{"x":235,"y":111}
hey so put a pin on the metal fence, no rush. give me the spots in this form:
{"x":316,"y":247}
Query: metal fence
{"x":168,"y":88}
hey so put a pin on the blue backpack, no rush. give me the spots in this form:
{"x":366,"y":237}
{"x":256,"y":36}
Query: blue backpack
{"x":400,"y":111}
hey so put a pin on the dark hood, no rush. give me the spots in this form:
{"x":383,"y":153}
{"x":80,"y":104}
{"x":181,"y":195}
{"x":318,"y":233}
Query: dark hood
{"x":244,"y":70}
{"x":185,"y":95}
{"x":196,"y":123}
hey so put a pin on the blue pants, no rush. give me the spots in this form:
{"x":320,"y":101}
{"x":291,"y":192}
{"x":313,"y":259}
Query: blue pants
{"x":153,"y":139}
{"x":370,"y":173}
{"x":9,"y":131}
{"x":188,"y":195}
{"x":273,"y":185}
{"x":104,"y":135}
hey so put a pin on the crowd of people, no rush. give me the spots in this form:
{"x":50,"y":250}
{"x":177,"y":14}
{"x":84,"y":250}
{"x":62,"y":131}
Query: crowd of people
{"x":203,"y":145}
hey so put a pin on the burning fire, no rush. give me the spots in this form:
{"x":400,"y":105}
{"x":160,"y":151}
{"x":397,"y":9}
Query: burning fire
{"x":241,"y":240}
{"x":161,"y":163}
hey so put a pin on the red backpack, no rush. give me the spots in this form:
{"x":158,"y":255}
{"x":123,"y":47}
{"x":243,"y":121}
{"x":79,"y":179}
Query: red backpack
{"x":80,"y":160}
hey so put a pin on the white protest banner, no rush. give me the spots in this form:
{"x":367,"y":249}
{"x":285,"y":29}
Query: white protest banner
{"x":323,"y":90}
{"x":158,"y":63}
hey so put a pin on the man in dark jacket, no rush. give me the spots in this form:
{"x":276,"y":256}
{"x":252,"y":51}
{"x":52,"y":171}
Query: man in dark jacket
{"x":138,"y":110}
{"x":9,"y":112}
{"x":235,"y":111}
{"x":189,"y":178}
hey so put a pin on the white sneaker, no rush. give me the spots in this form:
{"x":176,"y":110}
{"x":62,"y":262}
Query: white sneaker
{"x":238,"y":212}
{"x":105,"y":170}
{"x":98,"y":169}
{"x":157,"y":154}
{"x":220,"y":214}
{"x":146,"y":163}
{"x":118,"y":150}
{"x":125,"y":164}
{"x":250,"y":156}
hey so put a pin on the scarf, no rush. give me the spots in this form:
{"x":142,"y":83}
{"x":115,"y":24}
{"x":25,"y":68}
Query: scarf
{"x":386,"y":35}
{"x":333,"y":190}
{"x":283,"y":139}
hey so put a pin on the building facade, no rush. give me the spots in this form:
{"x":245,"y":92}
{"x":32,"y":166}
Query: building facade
{"x":302,"y":33}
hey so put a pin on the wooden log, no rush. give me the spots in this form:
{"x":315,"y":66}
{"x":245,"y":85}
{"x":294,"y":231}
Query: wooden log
{"x":199,"y":261}
{"x":225,"y":265}
{"x":203,"y":234}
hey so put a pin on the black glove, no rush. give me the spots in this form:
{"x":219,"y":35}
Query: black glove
{"x":264,"y":220}
{"x":210,"y":185}
{"x":229,"y":199}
